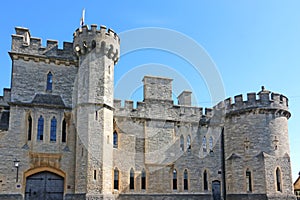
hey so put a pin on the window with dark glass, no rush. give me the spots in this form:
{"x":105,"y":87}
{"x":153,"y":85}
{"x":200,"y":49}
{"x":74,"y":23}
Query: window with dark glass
{"x":40,"y":131}
{"x":116,"y":179}
{"x":205,"y":181}
{"x":29,"y":128}
{"x":278,"y":180}
{"x":181,"y":143}
{"x":49,"y":81}
{"x":131,"y":181}
{"x":248,"y":181}
{"x":53,"y":130}
{"x":95,"y":175}
{"x":204,"y":144}
{"x":185,"y":180}
{"x":115,"y":139}
{"x":174,"y":179}
{"x":64,"y":131}
{"x":143,"y":185}
{"x":188,"y":143}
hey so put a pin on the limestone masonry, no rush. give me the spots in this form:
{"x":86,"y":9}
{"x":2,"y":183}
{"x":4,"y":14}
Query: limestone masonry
{"x":64,"y":136}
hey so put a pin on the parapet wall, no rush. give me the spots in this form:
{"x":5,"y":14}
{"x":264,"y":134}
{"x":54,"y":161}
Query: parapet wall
{"x":102,"y":40}
{"x":5,"y":98}
{"x":160,"y":111}
{"x":23,"y":43}
{"x":265,"y":100}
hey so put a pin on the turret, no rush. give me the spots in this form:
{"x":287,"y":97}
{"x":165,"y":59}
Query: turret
{"x":256,"y":145}
{"x":97,"y":51}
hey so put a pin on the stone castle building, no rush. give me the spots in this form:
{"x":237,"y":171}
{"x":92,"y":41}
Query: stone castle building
{"x":64,"y":136}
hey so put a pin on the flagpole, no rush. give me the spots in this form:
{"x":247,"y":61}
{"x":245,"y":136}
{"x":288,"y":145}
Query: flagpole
{"x":82,"y":17}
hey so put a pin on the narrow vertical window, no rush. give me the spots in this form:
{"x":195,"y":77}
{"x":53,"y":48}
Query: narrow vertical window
{"x":95,"y":175}
{"x":115,"y":140}
{"x":204,"y":144}
{"x":96,"y":115}
{"x":29,"y":128}
{"x":185,"y":180}
{"x":49,"y":81}
{"x":188,"y":143}
{"x":116,"y":179}
{"x":40,"y":131}
{"x":174,"y":179}
{"x":205,"y":181}
{"x":181,"y":143}
{"x":248,"y":181}
{"x":143,"y":185}
{"x":131,"y":181}
{"x":53,"y":130}
{"x":211,"y":142}
{"x":278,"y":180}
{"x":64,"y":131}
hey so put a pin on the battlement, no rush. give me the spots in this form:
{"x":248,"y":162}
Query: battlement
{"x":84,"y":30}
{"x":25,"y":46}
{"x":103,"y":40}
{"x":5,"y":98}
{"x":266,"y":99}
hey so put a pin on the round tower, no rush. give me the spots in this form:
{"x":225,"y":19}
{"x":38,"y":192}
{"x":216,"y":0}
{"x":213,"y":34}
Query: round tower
{"x":97,"y":51}
{"x":256,"y":147}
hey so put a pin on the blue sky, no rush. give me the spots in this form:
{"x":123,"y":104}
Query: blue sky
{"x":252,"y":43}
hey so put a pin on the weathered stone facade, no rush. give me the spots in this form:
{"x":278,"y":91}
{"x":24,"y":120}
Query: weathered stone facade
{"x":60,"y":123}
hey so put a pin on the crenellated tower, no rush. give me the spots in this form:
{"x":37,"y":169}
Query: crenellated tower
{"x":97,"y":51}
{"x":256,"y":147}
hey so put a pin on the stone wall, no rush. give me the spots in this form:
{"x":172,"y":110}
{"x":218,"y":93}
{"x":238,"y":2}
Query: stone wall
{"x":149,"y":138}
{"x":156,"y":136}
{"x":30,"y":78}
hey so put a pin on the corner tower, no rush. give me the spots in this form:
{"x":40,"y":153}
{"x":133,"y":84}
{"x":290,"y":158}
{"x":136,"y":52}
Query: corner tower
{"x":256,"y":146}
{"x":97,"y":51}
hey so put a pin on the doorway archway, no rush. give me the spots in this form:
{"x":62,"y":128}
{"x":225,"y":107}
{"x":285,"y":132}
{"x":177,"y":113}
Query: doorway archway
{"x":44,"y":185}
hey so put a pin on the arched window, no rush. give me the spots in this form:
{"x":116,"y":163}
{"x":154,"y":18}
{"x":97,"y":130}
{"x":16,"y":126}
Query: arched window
{"x":143,"y":185}
{"x":29,"y":128}
{"x":248,"y":181}
{"x":49,"y":81}
{"x":205,"y":181}
{"x":40,"y":129}
{"x":181,"y":143}
{"x":204,"y":144}
{"x":64,"y":131}
{"x":115,"y":139}
{"x":53,"y":130}
{"x":188,"y":143}
{"x":211,"y":142}
{"x":131,"y":181}
{"x":116,"y":179}
{"x":174,"y":179}
{"x":278,"y":180}
{"x":185,"y":180}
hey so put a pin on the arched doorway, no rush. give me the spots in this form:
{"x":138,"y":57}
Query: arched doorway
{"x":44,"y":185}
{"x":216,"y":190}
